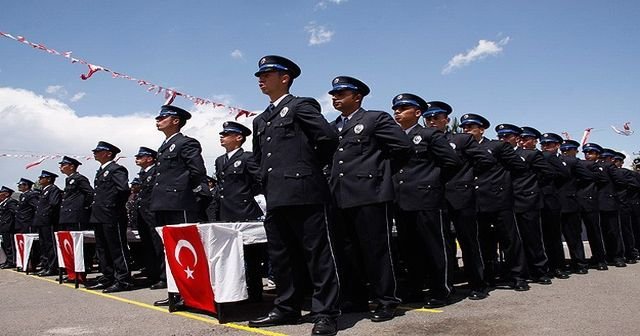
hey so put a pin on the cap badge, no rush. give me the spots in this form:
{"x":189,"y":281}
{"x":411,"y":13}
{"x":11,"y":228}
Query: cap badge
{"x":399,"y":97}
{"x":465,"y":116}
{"x":284,"y":111}
{"x":72,"y":181}
{"x":501,"y":127}
{"x":237,"y":164}
{"x":172,"y":147}
{"x":452,"y":145}
{"x":358,"y":128}
{"x":545,"y":135}
{"x":106,"y":174}
{"x":226,"y":123}
{"x":336,"y":81}
{"x":417,"y":139}
{"x":263,"y":61}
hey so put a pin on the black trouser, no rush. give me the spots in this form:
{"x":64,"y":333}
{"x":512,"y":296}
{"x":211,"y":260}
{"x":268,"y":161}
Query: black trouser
{"x":610,"y":224}
{"x":552,"y":238}
{"x":628,"y":237}
{"x":531,"y":232}
{"x":147,"y":230}
{"x":572,"y":230}
{"x":421,"y":236}
{"x":163,"y":218}
{"x":253,"y":256}
{"x":466,"y":227}
{"x":299,"y":244}
{"x":591,"y":220}
{"x":9,"y":249}
{"x":113,"y":252}
{"x":635,"y":223}
{"x":500,"y":228}
{"x":47,"y":248}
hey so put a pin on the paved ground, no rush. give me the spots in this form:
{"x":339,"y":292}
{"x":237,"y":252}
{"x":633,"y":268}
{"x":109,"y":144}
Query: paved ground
{"x":600,"y":303}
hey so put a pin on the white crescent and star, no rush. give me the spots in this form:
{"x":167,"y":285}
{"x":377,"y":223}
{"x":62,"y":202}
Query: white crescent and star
{"x":186,"y":244}
{"x":67,"y":244}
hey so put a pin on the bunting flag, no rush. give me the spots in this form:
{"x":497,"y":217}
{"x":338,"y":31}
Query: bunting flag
{"x":170,"y":93}
{"x":626,"y":129}
{"x":585,"y":136}
{"x":566,"y":135}
{"x":35,"y":163}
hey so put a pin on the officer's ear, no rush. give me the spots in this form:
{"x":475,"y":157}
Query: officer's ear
{"x":418,"y":113}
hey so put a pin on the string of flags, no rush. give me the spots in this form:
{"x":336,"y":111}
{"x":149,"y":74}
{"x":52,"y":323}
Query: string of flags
{"x":169,"y":93}
{"x":626,"y":129}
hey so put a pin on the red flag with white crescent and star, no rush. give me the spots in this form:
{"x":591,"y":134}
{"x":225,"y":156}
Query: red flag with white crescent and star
{"x":189,"y":266}
{"x":20,"y":245}
{"x":66,"y":248}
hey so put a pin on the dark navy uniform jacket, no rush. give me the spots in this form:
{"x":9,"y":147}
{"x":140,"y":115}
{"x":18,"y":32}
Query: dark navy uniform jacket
{"x":550,"y":187}
{"x":526,"y":188}
{"x":626,"y":186}
{"x":48,"y":209}
{"x":26,"y":210}
{"x":8,"y":209}
{"x":238,"y":184}
{"x":568,"y":192}
{"x":372,"y":148}
{"x":494,"y":188}
{"x":588,"y":190}
{"x":143,"y":199}
{"x":607,"y":196}
{"x":419,"y":185}
{"x":181,"y":177}
{"x":476,"y":160}
{"x":291,"y":145}
{"x":111,"y":187}
{"x":76,"y":199}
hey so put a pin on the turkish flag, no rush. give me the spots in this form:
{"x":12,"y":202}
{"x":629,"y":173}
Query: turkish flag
{"x":65,"y":247}
{"x":20,"y":255}
{"x":189,"y":265}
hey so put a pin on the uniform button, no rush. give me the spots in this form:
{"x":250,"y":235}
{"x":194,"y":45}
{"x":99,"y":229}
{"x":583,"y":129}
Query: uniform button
{"x":340,"y":149}
{"x":401,"y":182}
{"x":222,"y":173}
{"x":156,"y":183}
{"x":370,"y":176}
{"x":268,"y":154}
{"x":270,"y":169}
{"x":221,"y":189}
{"x":157,"y":164}
{"x":340,"y":162}
{"x":268,"y":123}
{"x":340,"y":137}
{"x":268,"y":138}
{"x":477,"y":187}
{"x":401,"y":171}
{"x":297,"y":174}
{"x":222,"y":196}
{"x":157,"y":174}
{"x":341,"y":174}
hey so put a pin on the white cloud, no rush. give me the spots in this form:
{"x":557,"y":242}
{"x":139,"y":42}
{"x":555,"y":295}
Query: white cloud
{"x":484,"y":49}
{"x":318,"y":34}
{"x":237,"y":54}
{"x":57,"y":90}
{"x":35,"y":124}
{"x":324,"y":3}
{"x":77,"y":97}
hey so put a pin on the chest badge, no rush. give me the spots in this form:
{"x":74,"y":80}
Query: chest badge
{"x":284,"y":111}
{"x":564,"y":163}
{"x":237,"y":164}
{"x":358,"y":128}
{"x":72,"y":181}
{"x":106,"y":174}
{"x":452,"y":145}
{"x":149,"y":178}
{"x":417,"y":139}
{"x":172,"y":147}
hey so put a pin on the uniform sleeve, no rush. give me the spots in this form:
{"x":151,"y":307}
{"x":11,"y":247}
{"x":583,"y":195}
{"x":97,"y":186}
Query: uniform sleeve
{"x":542,"y":168}
{"x":581,"y":173}
{"x":191,"y":154}
{"x":445,"y":156}
{"x":482,"y":159}
{"x":510,"y":160}
{"x":393,"y":141}
{"x":85,"y":188}
{"x":316,"y":128}
{"x":33,"y":199}
{"x":253,"y":170}
{"x":255,"y":141}
{"x":120,"y":177}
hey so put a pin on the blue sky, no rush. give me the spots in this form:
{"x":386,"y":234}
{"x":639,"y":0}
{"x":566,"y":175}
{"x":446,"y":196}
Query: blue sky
{"x":554,"y":65}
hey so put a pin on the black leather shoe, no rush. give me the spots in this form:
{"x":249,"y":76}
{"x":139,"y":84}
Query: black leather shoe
{"x":274,"y":318}
{"x":118,"y":287}
{"x":581,"y":270}
{"x":521,"y":286}
{"x":602,"y":267}
{"x":619,"y":263}
{"x":383,"y":313}
{"x":159,"y":285}
{"x":560,"y":274}
{"x":8,"y":265}
{"x":47,"y":273}
{"x":325,"y":326}
{"x":632,"y":261}
{"x":99,"y":285}
{"x":543,"y":280}
{"x":436,"y":303}
{"x":478,"y":294}
{"x":163,"y":302}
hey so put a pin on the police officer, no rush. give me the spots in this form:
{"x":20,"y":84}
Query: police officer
{"x":570,"y":205}
{"x":372,"y":147}
{"x":552,"y":211}
{"x":460,"y":196}
{"x":626,"y":190}
{"x":494,"y":194}
{"x":109,"y":217}
{"x":46,"y":221}
{"x":8,"y":209}
{"x":181,"y":181}
{"x":588,"y":196}
{"x":292,"y":142}
{"x":238,"y":175}
{"x":77,"y":197}
{"x":419,"y":190}
{"x":27,"y":206}
{"x":146,"y":219}
{"x":528,"y":197}
{"x":213,"y":209}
